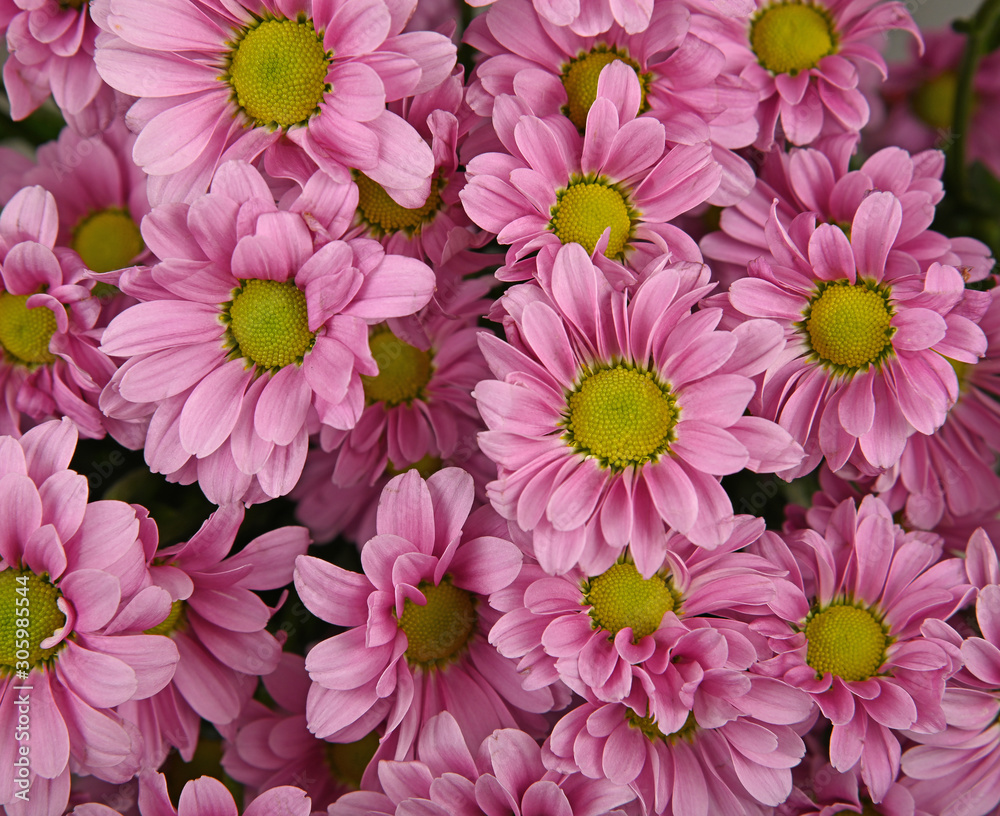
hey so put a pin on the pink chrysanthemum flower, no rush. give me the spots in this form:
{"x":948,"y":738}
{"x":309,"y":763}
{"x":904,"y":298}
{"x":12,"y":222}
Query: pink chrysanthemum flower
{"x":920,"y":96}
{"x":419,"y":407}
{"x":820,"y":181}
{"x":851,"y":635}
{"x":208,"y":87}
{"x":612,"y":190}
{"x":506,"y":775}
{"x":602,"y":634}
{"x":50,"y":365}
{"x":805,"y":59}
{"x":262,"y":332}
{"x":612,"y":414}
{"x":587,"y":18}
{"x":417,"y":621}
{"x":438,"y":231}
{"x":731,"y":758}
{"x":822,"y":790}
{"x":74,"y":600}
{"x":217,"y":624}
{"x":100,"y":195}
{"x":682,"y":78}
{"x":205,"y":796}
{"x":50,"y":48}
{"x":957,"y":771}
{"x":863,"y":327}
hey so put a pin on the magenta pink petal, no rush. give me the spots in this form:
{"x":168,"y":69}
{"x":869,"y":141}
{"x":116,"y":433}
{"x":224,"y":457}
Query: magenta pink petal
{"x":212,"y":408}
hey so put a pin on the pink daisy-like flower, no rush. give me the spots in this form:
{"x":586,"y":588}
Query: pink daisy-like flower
{"x":419,"y":407}
{"x":205,"y":796}
{"x":587,"y":18}
{"x":682,"y":78}
{"x":736,"y":758}
{"x":604,"y":633}
{"x":217,"y":624}
{"x":75,"y":599}
{"x":612,"y":190}
{"x":272,"y":747}
{"x":417,"y":621}
{"x":262,"y":333}
{"x":822,"y":790}
{"x":805,"y":58}
{"x":851,"y":636}
{"x":612,"y":414}
{"x":221,"y":80}
{"x":50,"y":364}
{"x":50,"y":48}
{"x":920,"y":95}
{"x":100,"y":195}
{"x":863,"y":327}
{"x":506,"y":775}
{"x":820,"y":181}
{"x":958,"y":770}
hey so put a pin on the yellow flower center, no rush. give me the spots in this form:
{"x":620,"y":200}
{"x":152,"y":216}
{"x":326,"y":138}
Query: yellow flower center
{"x":25,"y":333}
{"x":384,"y":216}
{"x":848,"y":326}
{"x":792,"y":36}
{"x":621,"y":598}
{"x":652,"y":731}
{"x":621,"y":416}
{"x":278,"y":72}
{"x":107,"y":240}
{"x":934,"y":101}
{"x":847,"y":641}
{"x":269,"y":323}
{"x":176,"y":621}
{"x":28,"y":615}
{"x":584,"y":209}
{"x":579,"y":78}
{"x":438,"y":631}
{"x":403,"y":370}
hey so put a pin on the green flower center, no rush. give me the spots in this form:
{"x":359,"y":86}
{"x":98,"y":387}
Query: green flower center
{"x":848,"y":326}
{"x":28,"y":615}
{"x":384,"y":216}
{"x":847,"y":641}
{"x":621,"y":598}
{"x":269,"y":323}
{"x":176,"y":621}
{"x":403,"y":370}
{"x":107,"y":240}
{"x":579,"y":78}
{"x":791,"y":37}
{"x":649,"y":727}
{"x":621,"y":416}
{"x":426,"y":466}
{"x":934,"y":101}
{"x":438,"y":631}
{"x":278,"y":72}
{"x":347,"y":761}
{"x":25,"y":333}
{"x":584,"y":209}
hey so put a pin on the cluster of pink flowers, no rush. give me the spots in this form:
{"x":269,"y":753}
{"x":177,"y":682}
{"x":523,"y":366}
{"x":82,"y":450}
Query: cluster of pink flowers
{"x":599,"y":428}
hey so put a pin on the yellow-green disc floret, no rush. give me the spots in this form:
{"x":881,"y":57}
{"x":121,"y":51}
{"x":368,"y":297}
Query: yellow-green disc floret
{"x":580,"y":76}
{"x":438,"y":632}
{"x":848,"y":326}
{"x":277,"y":69}
{"x":792,"y":37}
{"x":622,"y":416}
{"x":25,"y":333}
{"x":29,"y":614}
{"x":621,"y":598}
{"x":403,"y":370}
{"x":107,"y":240}
{"x":848,"y":641}
{"x":269,"y":323}
{"x":585,"y":209}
